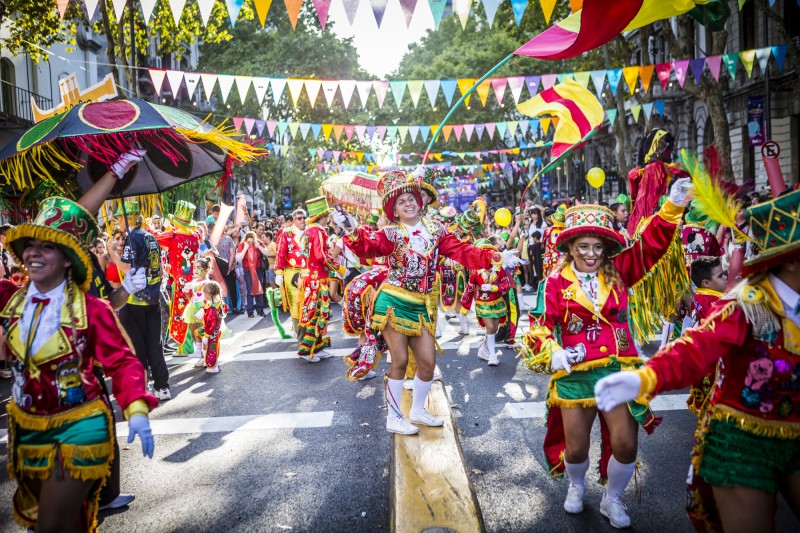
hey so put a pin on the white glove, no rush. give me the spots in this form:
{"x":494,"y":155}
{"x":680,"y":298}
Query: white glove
{"x":560,"y":361}
{"x":279,"y":280}
{"x":679,"y":193}
{"x":487,"y":287}
{"x":126,"y":161}
{"x":617,"y":389}
{"x":140,"y":425}
{"x":510,"y":259}
{"x":344,"y":220}
{"x":418,"y":172}
{"x":135,"y":280}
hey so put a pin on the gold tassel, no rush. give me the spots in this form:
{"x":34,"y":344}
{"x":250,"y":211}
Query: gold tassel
{"x":224,"y":138}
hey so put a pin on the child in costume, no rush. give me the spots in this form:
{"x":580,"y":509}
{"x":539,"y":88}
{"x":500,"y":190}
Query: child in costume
{"x":406,"y":303}
{"x":213,"y":312}
{"x":486,"y":288}
{"x":709,"y":280}
{"x":288,"y":262}
{"x":584,"y":334}
{"x":202,"y":269}
{"x":747,"y":443}
{"x":60,"y":438}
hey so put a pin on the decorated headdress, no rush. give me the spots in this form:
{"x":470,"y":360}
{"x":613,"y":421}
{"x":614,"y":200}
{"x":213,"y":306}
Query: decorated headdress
{"x":776,"y":231}
{"x":656,"y":145}
{"x":394,"y":184}
{"x":624,"y":200}
{"x":373,"y":218}
{"x":557,"y":218}
{"x":448,"y":214}
{"x":184,"y":215}
{"x":67,"y":225}
{"x":317,"y":207}
{"x":426,"y":176}
{"x":484,"y":243}
{"x":590,"y":220}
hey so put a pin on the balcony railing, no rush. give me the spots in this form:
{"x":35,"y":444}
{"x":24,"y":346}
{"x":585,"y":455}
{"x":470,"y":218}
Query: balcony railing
{"x":15,"y":103}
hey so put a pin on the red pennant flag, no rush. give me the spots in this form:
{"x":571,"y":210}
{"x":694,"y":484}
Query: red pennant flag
{"x":663,"y":70}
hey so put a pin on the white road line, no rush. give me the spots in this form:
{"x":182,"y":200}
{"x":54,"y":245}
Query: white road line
{"x":668,"y":402}
{"x":275,"y":356}
{"x":228,"y":424}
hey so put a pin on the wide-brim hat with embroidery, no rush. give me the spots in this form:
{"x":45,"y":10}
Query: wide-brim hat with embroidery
{"x":317,"y":207}
{"x":426,"y":176}
{"x":183,"y":215}
{"x":557,"y":218}
{"x":67,"y":225}
{"x":392,"y":186}
{"x":775,"y":226}
{"x":590,"y":220}
{"x":448,"y":214}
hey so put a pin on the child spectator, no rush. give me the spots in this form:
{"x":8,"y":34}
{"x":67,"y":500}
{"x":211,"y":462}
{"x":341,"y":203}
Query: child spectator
{"x":214,"y":310}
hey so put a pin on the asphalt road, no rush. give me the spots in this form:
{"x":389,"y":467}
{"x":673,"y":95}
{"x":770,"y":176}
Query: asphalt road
{"x":275,"y":444}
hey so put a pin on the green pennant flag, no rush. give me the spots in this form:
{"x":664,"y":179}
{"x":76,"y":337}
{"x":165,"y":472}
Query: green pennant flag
{"x":730,"y":61}
{"x":612,"y":116}
{"x":403,"y":131}
{"x":512,"y":127}
{"x":583,"y":78}
{"x":565,"y":76}
{"x":748,"y":58}
{"x":635,"y":110}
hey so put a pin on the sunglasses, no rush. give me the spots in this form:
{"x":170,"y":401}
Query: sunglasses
{"x":299,"y":218}
{"x":17,"y":278}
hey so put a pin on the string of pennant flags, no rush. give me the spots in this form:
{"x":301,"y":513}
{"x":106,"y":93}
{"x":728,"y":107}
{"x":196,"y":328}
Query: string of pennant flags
{"x":634,"y":76}
{"x":453,"y":169}
{"x":468,"y":132}
{"x":460,"y":8}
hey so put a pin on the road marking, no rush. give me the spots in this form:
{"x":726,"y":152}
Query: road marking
{"x":668,"y":402}
{"x":228,"y":424}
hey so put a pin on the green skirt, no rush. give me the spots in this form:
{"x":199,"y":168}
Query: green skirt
{"x":405,"y":312}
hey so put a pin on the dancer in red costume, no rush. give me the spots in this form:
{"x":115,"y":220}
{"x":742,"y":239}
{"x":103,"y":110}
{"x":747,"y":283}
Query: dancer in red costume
{"x":213,"y":312}
{"x":584,"y":334}
{"x":181,"y":244}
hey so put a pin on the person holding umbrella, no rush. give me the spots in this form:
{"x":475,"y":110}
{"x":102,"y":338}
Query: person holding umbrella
{"x":58,"y":417}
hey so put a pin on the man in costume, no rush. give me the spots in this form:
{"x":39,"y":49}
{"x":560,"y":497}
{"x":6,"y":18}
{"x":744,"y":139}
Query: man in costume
{"x":58,"y":417}
{"x":288,"y":262}
{"x":552,"y":255}
{"x":406,"y":303}
{"x":583,"y":334}
{"x":314,"y":287}
{"x":181,"y":244}
{"x":747,"y":443}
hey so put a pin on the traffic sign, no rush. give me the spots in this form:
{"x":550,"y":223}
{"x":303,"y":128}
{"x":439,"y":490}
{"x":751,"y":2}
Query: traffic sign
{"x":770,"y":150}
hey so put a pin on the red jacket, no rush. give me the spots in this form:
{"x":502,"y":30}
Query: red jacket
{"x":53,"y":383}
{"x":500,"y":285}
{"x":289,"y":251}
{"x":317,"y":261}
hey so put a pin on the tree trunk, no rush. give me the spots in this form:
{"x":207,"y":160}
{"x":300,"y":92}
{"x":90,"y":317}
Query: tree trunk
{"x":709,"y":91}
{"x":111,"y":51}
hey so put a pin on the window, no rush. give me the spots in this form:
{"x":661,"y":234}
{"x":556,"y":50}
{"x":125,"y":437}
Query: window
{"x":747,"y":26}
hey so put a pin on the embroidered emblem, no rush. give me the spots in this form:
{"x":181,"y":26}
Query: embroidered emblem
{"x":752,"y":294}
{"x":756,"y":393}
{"x":21,"y":399}
{"x":593,"y":332}
{"x":575,"y":324}
{"x":70,"y":387}
{"x":568,"y":294}
{"x":622,"y":316}
{"x":622,"y":339}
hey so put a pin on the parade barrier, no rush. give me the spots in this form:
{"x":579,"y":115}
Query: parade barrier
{"x":431,"y":489}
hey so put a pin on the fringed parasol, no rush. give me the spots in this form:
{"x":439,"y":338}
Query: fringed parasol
{"x":355,"y":191}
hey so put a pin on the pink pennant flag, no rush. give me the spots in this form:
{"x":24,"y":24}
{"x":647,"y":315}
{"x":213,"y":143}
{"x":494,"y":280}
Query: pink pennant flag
{"x":348,"y":131}
{"x":248,"y":125}
{"x":322,"y":7}
{"x":271,"y":125}
{"x":548,"y":80}
{"x":408,"y":7}
{"x":490,"y":129}
{"x":381,"y":88}
{"x":681,"y":69}
{"x":468,"y":130}
{"x":458,"y":129}
{"x":360,"y":131}
{"x":714,"y":63}
{"x":237,"y":123}
{"x":663,"y":70}
{"x":381,"y":131}
{"x":499,"y":86}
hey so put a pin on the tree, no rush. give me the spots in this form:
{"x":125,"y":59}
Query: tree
{"x":33,"y":26}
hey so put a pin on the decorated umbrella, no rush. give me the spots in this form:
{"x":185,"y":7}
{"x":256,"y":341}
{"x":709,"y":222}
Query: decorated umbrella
{"x":71,"y":151}
{"x":355,"y":191}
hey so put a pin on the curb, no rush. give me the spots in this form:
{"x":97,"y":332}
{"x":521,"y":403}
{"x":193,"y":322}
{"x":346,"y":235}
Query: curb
{"x":431,"y":490}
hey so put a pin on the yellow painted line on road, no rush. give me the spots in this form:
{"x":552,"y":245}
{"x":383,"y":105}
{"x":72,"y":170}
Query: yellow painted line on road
{"x":431,"y":489}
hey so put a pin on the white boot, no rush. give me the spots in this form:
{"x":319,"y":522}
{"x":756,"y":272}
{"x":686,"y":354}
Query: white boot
{"x":463,"y":328}
{"x":419,"y":415}
{"x":395,"y":421}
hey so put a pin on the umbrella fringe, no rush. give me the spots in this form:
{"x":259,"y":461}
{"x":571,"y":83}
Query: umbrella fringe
{"x":22,"y":170}
{"x":107,"y":148}
{"x":223,"y":138}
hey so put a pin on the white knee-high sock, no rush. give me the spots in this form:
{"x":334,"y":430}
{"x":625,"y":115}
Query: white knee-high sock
{"x":462,"y":320}
{"x":421,"y":389}
{"x":394,"y":392}
{"x":576,"y":472}
{"x":490,"y":344}
{"x":618,"y":477}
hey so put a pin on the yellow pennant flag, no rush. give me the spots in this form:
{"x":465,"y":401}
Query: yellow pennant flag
{"x":547,"y":8}
{"x":631,"y":74}
{"x":359,"y":155}
{"x":545,"y":122}
{"x":464,"y":86}
{"x":483,"y":91}
{"x":326,"y":130}
{"x":262,"y":8}
{"x":646,"y":74}
{"x":748,"y":57}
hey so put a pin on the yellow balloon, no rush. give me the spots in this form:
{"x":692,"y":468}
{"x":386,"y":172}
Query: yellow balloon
{"x":596,"y":177}
{"x":502,"y":217}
